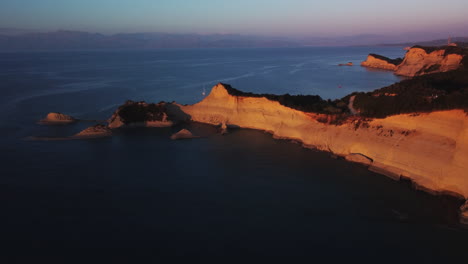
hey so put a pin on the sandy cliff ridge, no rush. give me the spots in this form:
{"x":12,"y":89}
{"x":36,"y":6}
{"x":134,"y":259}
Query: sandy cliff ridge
{"x":431,"y":149}
{"x":380,"y":62}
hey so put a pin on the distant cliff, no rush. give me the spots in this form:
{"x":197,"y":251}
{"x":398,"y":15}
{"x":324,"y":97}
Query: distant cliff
{"x":381,"y":62}
{"x":421,"y":60}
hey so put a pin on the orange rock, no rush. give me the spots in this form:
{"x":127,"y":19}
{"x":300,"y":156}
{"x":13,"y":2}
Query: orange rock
{"x":58,"y":118}
{"x":418,"y":62}
{"x":373,"y":62}
{"x":431,"y":149}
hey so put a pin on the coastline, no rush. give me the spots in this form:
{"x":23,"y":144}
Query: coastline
{"x":427,"y":148}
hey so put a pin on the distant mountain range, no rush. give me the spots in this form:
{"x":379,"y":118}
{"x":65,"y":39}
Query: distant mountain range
{"x":26,"y":40}
{"x":460,"y":41}
{"x":74,"y":40}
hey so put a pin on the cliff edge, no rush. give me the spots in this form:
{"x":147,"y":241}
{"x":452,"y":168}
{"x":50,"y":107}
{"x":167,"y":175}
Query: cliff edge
{"x":431,"y":149}
{"x":381,"y":62}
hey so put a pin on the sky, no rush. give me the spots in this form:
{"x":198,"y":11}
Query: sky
{"x":258,"y":17}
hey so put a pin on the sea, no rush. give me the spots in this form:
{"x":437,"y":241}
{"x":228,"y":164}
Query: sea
{"x":139,"y":197}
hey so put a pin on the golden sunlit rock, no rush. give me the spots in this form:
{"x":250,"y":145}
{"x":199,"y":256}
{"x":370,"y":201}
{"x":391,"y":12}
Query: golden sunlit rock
{"x":431,"y":148}
{"x":94,"y":131}
{"x":377,"y":62}
{"x":417,"y":61}
{"x":57,"y":118}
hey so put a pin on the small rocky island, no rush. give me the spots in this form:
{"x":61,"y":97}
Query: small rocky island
{"x":95,"y":131}
{"x":57,"y":118}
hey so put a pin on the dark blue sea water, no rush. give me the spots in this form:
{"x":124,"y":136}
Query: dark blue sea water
{"x":139,"y":195}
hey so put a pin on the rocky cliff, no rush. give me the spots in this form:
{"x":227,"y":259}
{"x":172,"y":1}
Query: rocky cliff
{"x":420,"y":61}
{"x":52,"y":118}
{"x":430,"y":149}
{"x":381,"y":62}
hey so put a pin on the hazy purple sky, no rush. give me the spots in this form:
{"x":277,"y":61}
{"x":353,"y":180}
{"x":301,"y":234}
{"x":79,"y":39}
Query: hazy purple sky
{"x":267,"y":17}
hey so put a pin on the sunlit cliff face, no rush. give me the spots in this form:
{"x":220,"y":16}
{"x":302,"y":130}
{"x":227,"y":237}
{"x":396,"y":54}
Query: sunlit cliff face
{"x":418,"y":62}
{"x":431,"y":149}
{"x":58,"y":118}
{"x":373,"y":62}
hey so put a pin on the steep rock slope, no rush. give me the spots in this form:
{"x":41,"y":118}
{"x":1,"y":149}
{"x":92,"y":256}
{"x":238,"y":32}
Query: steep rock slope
{"x":381,"y":62}
{"x":420,"y":61}
{"x":431,"y":149}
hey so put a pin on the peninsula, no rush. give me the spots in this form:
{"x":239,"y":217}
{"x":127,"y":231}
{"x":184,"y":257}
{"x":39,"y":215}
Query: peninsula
{"x":414,"y":130}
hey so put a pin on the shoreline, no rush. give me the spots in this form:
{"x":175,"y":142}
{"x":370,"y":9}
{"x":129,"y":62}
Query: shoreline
{"x":380,"y":169}
{"x":431,"y":149}
{"x":394,"y":173}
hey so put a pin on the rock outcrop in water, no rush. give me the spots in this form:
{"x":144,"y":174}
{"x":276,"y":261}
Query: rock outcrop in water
{"x":55,"y":118}
{"x":141,"y":114}
{"x":183,"y":134}
{"x":94,"y":131}
{"x":420,"y":61}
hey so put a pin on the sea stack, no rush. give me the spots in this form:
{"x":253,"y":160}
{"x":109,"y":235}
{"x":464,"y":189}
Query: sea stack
{"x":57,"y":118}
{"x":94,"y":132}
{"x":183,"y":134}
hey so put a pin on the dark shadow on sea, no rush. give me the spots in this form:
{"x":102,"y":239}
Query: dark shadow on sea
{"x":139,"y":195}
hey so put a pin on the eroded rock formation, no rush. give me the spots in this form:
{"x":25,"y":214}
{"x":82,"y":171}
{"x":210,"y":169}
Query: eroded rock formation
{"x":94,"y":131}
{"x":381,"y":62}
{"x":57,"y":118}
{"x":419,"y":61}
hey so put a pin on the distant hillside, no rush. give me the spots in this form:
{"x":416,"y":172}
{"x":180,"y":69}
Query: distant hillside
{"x":74,"y":40}
{"x":438,"y":91}
{"x":15,"y":39}
{"x":15,"y":31}
{"x":460,"y":41}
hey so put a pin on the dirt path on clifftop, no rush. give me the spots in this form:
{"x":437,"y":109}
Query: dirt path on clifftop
{"x":350,"y":106}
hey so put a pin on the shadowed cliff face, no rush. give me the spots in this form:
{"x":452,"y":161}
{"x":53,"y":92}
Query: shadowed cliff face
{"x":420,"y":61}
